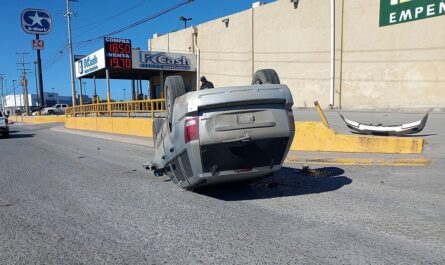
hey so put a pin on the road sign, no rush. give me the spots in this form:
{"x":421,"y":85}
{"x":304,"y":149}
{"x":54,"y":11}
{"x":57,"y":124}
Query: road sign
{"x":79,"y":57}
{"x":36,"y":21}
{"x":38,"y":44}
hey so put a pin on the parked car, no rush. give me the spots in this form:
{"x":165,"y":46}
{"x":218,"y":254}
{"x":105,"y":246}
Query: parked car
{"x":223,"y":134}
{"x":57,"y":109}
{"x":4,"y":127}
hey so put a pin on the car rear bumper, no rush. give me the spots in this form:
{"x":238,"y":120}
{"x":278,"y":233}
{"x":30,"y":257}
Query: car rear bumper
{"x":234,"y":175}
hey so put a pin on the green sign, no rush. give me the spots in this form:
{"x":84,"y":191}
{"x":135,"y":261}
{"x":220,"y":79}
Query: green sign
{"x":400,"y":11}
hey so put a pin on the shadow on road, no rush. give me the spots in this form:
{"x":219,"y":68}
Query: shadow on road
{"x":284,"y":183}
{"x":22,"y":135}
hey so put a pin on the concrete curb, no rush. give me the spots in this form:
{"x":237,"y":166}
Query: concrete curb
{"x":310,"y":136}
{"x":316,"y":137}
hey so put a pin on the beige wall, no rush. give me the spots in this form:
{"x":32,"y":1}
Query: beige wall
{"x":395,"y":66}
{"x":398,"y":66}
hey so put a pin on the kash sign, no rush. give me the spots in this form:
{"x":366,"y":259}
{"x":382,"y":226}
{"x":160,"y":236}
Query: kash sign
{"x":164,"y":61}
{"x":400,"y":11}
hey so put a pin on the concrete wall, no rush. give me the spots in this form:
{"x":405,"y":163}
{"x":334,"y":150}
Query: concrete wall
{"x":394,"y":66}
{"x":398,"y":66}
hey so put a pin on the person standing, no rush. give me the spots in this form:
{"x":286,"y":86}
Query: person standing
{"x":205,"y":84}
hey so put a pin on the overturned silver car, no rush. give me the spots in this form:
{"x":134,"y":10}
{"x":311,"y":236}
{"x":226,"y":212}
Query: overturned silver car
{"x":223,"y":134}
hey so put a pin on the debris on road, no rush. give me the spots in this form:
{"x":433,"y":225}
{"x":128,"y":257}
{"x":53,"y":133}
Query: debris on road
{"x":380,"y":129}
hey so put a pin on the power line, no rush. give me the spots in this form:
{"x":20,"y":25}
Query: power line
{"x":98,"y":23}
{"x":139,"y":22}
{"x":86,"y":43}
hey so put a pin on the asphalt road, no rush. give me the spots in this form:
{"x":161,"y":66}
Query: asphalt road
{"x":70,"y":199}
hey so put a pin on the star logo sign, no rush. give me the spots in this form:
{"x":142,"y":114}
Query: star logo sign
{"x":36,"y":19}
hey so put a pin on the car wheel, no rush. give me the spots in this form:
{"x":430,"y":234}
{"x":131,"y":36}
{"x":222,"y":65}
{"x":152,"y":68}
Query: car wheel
{"x":174,"y":87}
{"x":156,"y":128}
{"x":265,"y":76}
{"x":50,"y":112}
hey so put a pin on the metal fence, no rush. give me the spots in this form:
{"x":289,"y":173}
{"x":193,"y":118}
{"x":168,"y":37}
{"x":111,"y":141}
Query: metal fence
{"x":124,"y":107}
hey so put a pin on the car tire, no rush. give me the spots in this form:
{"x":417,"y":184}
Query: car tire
{"x":50,"y":112}
{"x":265,"y":76}
{"x":156,"y":128}
{"x":174,"y":87}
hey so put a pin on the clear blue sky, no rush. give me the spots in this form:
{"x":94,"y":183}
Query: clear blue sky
{"x":93,"y":19}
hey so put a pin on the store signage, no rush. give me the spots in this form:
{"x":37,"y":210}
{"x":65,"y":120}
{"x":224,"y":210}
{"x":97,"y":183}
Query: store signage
{"x":36,"y":21}
{"x":90,"y":63}
{"x":118,"y":53}
{"x":401,"y":11}
{"x":166,"y":61}
{"x":38,"y":44}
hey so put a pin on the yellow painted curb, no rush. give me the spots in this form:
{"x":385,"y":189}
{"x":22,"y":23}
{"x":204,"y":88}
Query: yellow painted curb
{"x":419,"y":161}
{"x":316,"y":137}
{"x":310,"y":136}
{"x":37,"y":119}
{"x":126,"y":126}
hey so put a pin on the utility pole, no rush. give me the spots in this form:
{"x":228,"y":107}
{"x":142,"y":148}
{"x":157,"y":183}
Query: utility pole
{"x":24,"y":81}
{"x":15,"y":100}
{"x":70,"y":45}
{"x":2,"y":78}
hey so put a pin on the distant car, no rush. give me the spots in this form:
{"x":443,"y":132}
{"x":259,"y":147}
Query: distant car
{"x":57,"y":109}
{"x":223,"y":134}
{"x":4,"y":127}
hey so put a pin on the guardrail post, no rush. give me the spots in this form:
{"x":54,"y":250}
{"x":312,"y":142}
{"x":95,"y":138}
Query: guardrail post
{"x":152,"y":109}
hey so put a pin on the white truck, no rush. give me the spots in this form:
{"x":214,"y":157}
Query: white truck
{"x":57,"y":109}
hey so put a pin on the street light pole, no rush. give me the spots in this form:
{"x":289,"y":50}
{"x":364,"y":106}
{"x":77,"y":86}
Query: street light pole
{"x":185,"y":19}
{"x":85,"y":89}
{"x":6,"y":90}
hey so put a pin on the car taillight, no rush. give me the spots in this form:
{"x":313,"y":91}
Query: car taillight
{"x":191,"y":129}
{"x":290,"y":119}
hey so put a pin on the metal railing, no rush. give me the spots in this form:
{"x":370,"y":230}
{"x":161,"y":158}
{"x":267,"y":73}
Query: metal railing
{"x":123,"y":107}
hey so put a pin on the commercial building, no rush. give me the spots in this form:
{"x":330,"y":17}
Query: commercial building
{"x":389,"y":54}
{"x":50,"y":99}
